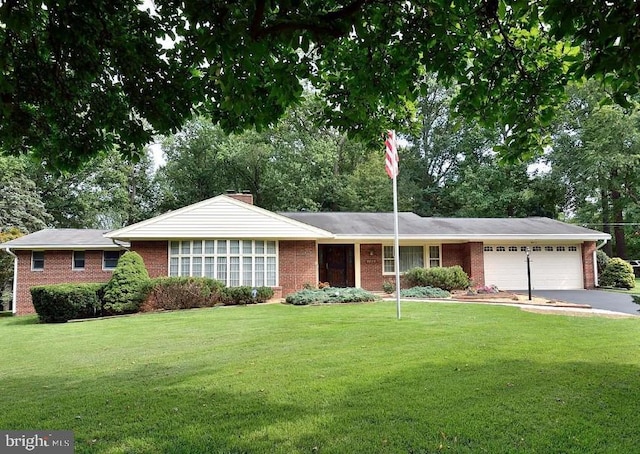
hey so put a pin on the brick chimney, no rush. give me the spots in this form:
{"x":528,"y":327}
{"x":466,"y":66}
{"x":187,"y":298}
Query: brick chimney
{"x":244,"y":196}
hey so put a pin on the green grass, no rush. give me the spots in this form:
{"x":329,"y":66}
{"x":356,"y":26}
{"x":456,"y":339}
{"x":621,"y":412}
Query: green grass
{"x":632,"y":291}
{"x":328,"y":379}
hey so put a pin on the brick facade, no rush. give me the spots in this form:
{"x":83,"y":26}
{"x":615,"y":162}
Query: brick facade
{"x":298,"y":265}
{"x":57,"y":270}
{"x":588,"y":267}
{"x":155,"y":255}
{"x":371,"y":277}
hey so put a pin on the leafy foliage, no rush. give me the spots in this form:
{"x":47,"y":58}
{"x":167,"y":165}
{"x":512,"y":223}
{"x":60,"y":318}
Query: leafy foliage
{"x":424,"y":292}
{"x":329,"y":295}
{"x":112,"y":82}
{"x":125,"y":291}
{"x":245,"y":295}
{"x":62,"y":302}
{"x":172,"y":293}
{"x":6,"y":266}
{"x":446,"y":278}
{"x":618,"y":273}
{"x":602,"y":260}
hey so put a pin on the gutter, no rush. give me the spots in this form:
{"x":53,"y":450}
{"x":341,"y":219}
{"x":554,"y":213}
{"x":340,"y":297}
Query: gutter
{"x":14,"y":292}
{"x":595,"y":262}
{"x":121,"y":246}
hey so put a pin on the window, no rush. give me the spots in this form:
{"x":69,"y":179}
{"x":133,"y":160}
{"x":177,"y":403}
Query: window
{"x":537,"y":248}
{"x":234,"y":262}
{"x":500,"y":249}
{"x":573,"y":249}
{"x":434,"y":256}
{"x":548,"y":248}
{"x":78,"y":260}
{"x":110,"y":259}
{"x":410,"y":257}
{"x":523,"y":248}
{"x":513,"y":248}
{"x":560,"y":249}
{"x":37,"y":260}
{"x":488,"y":249}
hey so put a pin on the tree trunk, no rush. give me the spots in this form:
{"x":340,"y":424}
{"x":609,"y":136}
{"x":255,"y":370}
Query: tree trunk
{"x":606,"y":220}
{"x":618,"y":229}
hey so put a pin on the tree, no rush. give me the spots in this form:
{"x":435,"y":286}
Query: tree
{"x":20,"y":203}
{"x":108,"y":191}
{"x":596,"y":151}
{"x":6,"y":267}
{"x":67,"y":96}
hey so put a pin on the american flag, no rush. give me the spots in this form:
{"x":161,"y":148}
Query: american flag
{"x":392,"y":159}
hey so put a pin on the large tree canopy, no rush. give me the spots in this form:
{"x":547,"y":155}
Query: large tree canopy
{"x":77,"y":77}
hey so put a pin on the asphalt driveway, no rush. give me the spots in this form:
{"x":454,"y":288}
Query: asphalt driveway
{"x":598,"y":299}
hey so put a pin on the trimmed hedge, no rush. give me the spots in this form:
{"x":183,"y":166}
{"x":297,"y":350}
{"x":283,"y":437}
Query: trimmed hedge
{"x":619,"y":274}
{"x":174,"y":293}
{"x":446,"y":278}
{"x":244,"y":295}
{"x":125,"y":291}
{"x":424,"y":292}
{"x":62,"y":302}
{"x":330,"y":295}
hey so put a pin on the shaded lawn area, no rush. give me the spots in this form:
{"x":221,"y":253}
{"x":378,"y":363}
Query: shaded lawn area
{"x":328,"y":379}
{"x":631,"y":291}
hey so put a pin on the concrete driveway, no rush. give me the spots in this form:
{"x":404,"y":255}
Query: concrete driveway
{"x":598,"y":299}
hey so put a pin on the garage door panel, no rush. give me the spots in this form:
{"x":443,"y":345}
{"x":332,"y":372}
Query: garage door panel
{"x":557,"y":267}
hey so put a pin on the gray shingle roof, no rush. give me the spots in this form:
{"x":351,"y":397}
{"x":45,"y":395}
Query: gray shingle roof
{"x":412,"y":225}
{"x":62,"y":238}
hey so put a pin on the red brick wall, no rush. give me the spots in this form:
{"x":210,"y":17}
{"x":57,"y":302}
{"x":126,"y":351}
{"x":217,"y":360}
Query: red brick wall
{"x":155,"y":255}
{"x":371,"y":277}
{"x":57,"y":270}
{"x":588,"y":267}
{"x":455,"y":254}
{"x":476,"y":263}
{"x":298,"y":265}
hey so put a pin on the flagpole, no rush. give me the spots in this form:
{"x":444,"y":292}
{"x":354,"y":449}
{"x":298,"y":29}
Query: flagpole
{"x":396,"y":245}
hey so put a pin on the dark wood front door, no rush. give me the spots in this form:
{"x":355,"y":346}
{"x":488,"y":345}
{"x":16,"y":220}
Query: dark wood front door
{"x":336,"y":264}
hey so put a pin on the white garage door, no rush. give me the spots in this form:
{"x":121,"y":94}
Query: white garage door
{"x":553,"y":267}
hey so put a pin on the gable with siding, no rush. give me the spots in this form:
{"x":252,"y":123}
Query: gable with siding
{"x":219,"y":217}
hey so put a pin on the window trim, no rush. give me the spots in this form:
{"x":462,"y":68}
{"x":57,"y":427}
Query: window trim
{"x":73,"y":260}
{"x":426,"y":257}
{"x":104,"y":261}
{"x":33,"y":260}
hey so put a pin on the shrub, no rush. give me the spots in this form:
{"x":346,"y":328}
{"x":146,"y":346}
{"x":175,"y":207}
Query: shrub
{"x":245,"y":295}
{"x":424,"y":292}
{"x":618,"y":273}
{"x":446,"y":278}
{"x":172,"y":293}
{"x":602,"y":259}
{"x":125,"y":291}
{"x":388,"y":287}
{"x":62,"y":302}
{"x":330,"y":295}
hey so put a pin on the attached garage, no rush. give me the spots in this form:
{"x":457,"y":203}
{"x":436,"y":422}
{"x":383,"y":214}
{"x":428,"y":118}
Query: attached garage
{"x":553,"y":266}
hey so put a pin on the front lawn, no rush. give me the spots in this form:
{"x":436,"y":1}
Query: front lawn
{"x":328,"y":379}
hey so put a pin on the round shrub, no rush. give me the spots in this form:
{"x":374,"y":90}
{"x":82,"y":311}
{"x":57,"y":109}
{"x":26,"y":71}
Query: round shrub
{"x":618,"y":273}
{"x":125,"y":291}
{"x":446,"y":278}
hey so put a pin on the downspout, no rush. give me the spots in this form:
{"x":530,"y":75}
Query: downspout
{"x":122,"y":246}
{"x":595,"y":262}
{"x":14,"y":290}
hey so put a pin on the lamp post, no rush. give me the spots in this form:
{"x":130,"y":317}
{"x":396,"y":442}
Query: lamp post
{"x":529,"y":271}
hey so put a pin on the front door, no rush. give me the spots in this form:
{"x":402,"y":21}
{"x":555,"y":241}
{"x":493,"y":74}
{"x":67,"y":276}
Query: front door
{"x":336,"y":263}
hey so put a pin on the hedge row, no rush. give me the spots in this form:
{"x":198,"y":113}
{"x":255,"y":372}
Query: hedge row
{"x":445,"y":278}
{"x":130,"y":290}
